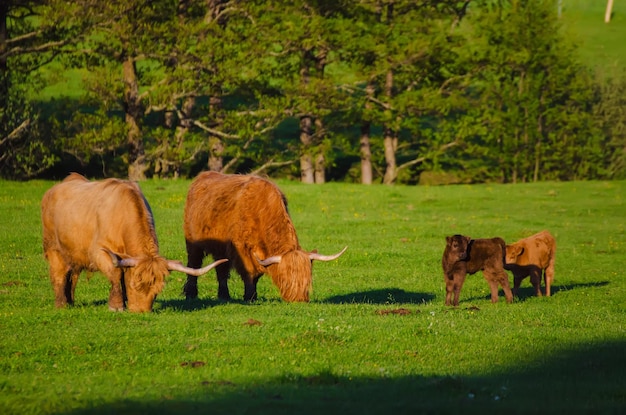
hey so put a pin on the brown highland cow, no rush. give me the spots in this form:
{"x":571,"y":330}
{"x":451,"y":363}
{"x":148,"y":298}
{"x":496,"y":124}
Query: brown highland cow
{"x":244,"y":218}
{"x":106,"y":226}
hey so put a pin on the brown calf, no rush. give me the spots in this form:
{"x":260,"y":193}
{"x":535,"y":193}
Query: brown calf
{"x":532,"y":256}
{"x":464,"y":255}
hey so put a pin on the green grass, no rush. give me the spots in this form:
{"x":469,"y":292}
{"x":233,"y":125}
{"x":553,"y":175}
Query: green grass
{"x":602,"y":45}
{"x":350,"y":350}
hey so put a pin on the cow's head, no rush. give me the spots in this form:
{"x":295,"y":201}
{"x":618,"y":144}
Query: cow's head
{"x":457,"y":247}
{"x":292,"y":272}
{"x":513,"y":252}
{"x":144,"y":277}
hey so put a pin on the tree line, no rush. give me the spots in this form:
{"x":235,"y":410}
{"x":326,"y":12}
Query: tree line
{"x":353,"y":90}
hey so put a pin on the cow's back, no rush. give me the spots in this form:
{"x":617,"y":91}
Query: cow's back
{"x":232,"y":207}
{"x":80,"y":216}
{"x":539,"y":249}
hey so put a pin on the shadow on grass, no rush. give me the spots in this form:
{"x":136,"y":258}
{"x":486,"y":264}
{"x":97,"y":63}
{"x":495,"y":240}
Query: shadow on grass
{"x":526,"y":291}
{"x":584,"y":379}
{"x":382,"y":296}
{"x":196,"y":304}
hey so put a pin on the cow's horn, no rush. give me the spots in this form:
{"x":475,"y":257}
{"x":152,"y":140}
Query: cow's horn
{"x":271,"y":260}
{"x":318,"y":257}
{"x":196,"y":272}
{"x":119,"y":262}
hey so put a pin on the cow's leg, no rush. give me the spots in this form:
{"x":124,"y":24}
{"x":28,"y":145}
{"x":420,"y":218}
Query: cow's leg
{"x":250,"y":283}
{"x":116,"y":295}
{"x":71,"y":285}
{"x":107,"y":267}
{"x":60,"y":273}
{"x":223,"y":273}
{"x":195,"y":255}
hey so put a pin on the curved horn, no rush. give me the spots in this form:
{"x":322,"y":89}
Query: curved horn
{"x":120,"y":262}
{"x":177,"y":266}
{"x":318,"y":257}
{"x":271,"y":260}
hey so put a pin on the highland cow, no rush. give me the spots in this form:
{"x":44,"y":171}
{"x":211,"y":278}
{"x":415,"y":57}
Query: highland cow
{"x":105,"y":226}
{"x":464,"y":255}
{"x":244,"y":218}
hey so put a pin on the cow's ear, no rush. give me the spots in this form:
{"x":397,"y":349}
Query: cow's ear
{"x":519,"y":250}
{"x":448,"y":239}
{"x":468,"y":239}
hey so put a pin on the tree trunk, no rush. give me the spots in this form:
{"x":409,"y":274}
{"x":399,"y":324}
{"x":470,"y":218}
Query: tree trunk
{"x":320,"y":159}
{"x":366,"y":154}
{"x":216,"y":150}
{"x":364,"y":142}
{"x":320,"y":168}
{"x":133,"y":112}
{"x":609,"y":11}
{"x":306,"y":160}
{"x":390,"y":140}
{"x":4,"y":74}
{"x":216,"y":145}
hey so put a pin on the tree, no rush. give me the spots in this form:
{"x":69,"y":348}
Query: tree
{"x":532,"y":116}
{"x":24,"y":47}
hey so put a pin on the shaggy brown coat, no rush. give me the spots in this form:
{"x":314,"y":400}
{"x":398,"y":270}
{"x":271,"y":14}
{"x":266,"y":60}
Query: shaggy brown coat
{"x":464,"y":255}
{"x":103,"y":226}
{"x":245,"y":219}
{"x":532,"y":256}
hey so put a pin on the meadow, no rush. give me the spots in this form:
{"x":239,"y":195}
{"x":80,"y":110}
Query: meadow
{"x":376,"y":336}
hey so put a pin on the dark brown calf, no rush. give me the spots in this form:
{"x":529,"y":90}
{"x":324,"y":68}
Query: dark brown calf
{"x":464,"y":255}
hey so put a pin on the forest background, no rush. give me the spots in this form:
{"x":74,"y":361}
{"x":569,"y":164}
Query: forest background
{"x":366,"y":91}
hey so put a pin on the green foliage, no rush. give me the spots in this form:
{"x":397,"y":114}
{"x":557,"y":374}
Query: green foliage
{"x":485,"y":90}
{"x":376,"y":336}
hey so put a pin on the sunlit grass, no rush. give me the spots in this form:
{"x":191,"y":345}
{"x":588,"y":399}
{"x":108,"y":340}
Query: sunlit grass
{"x":376,"y":336}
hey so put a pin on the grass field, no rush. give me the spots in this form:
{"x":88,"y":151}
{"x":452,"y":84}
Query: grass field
{"x":376,"y":337}
{"x":602,"y":45}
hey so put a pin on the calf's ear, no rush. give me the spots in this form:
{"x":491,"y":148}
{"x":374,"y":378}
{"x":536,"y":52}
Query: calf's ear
{"x":519,"y":250}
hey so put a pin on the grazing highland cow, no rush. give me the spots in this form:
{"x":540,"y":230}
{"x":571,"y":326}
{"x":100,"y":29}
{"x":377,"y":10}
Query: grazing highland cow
{"x":105,"y":226}
{"x":464,"y":255}
{"x":245,"y":219}
{"x":532,"y":256}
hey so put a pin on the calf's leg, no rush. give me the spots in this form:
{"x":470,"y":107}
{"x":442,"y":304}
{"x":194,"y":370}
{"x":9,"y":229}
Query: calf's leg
{"x":549,"y":275}
{"x":518,"y":276}
{"x":535,"y":280}
{"x":495,"y":278}
{"x":453,"y":288}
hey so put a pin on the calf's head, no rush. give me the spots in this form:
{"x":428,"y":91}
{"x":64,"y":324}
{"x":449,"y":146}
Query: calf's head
{"x":513,"y":252}
{"x":456,"y":247}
